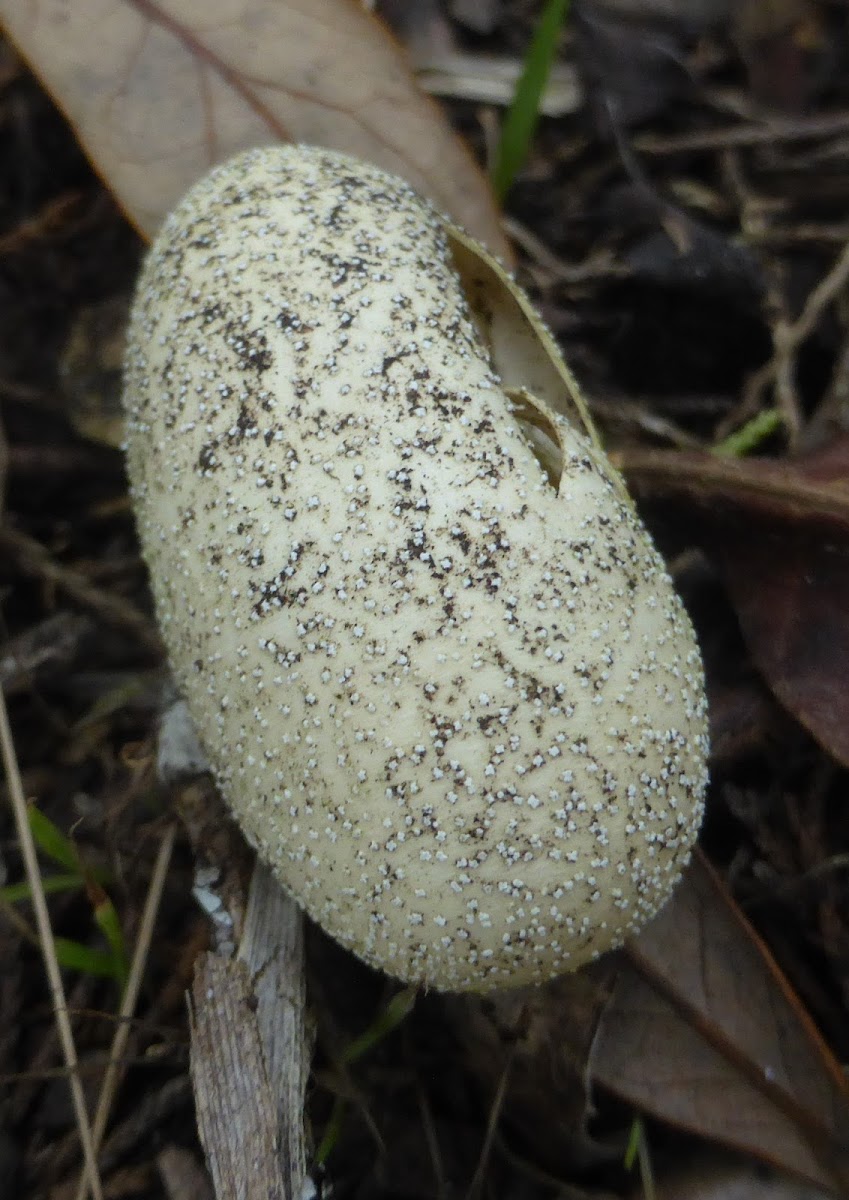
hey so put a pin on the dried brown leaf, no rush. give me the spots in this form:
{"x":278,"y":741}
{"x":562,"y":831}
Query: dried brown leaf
{"x":161,"y":90}
{"x":703,"y":1031}
{"x":780,"y":530}
{"x":716,"y":1176}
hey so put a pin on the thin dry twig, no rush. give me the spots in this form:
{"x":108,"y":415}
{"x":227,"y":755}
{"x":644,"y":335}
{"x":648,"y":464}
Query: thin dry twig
{"x":835,"y":403}
{"x":129,"y":1000}
{"x":152,"y":1112}
{"x":789,"y":129}
{"x":51,"y":645}
{"x":51,"y":219}
{"x":788,"y":338}
{"x":615,"y":408}
{"x":827,"y":290}
{"x":34,"y":559}
{"x":755,"y":212}
{"x":48,"y":949}
{"x":489,"y":1137}
{"x":784,"y":235}
{"x":432,"y":1140}
{"x":596,"y":267}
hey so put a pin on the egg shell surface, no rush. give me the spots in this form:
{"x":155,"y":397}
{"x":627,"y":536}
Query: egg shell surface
{"x":459,"y":710}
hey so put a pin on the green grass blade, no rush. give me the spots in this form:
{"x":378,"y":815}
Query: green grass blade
{"x":51,"y":841}
{"x":396,"y":1010}
{"x":523,"y":114}
{"x":332,"y":1131}
{"x":743,"y":441}
{"x":399,"y":1007}
{"x":14,"y":893}
{"x":638,"y":1154}
{"x":53,"y":844}
{"x":106,"y":916}
{"x":78,"y":957}
{"x":633,"y":1148}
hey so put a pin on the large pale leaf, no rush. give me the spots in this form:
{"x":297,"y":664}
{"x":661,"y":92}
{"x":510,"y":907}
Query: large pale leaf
{"x":161,"y":90}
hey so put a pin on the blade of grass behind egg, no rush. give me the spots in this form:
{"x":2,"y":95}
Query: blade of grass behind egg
{"x":521,"y":121}
{"x":388,"y":1019}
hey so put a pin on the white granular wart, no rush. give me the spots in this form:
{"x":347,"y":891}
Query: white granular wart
{"x":459,"y":709}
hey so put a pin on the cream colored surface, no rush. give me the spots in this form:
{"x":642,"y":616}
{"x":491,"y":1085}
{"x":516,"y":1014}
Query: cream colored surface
{"x":459,"y":710}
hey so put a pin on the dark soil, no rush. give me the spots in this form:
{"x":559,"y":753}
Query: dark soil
{"x":663,"y":253}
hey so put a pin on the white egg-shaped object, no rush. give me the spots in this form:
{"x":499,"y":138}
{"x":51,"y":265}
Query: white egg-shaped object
{"x":449,"y":693}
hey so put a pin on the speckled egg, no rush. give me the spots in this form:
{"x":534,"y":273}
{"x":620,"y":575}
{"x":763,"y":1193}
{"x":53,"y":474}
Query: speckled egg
{"x":443,"y":677}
